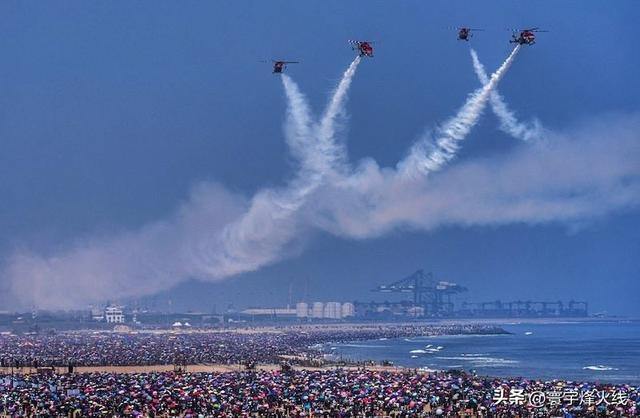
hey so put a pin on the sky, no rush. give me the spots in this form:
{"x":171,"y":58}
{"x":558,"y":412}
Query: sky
{"x":133,"y":134}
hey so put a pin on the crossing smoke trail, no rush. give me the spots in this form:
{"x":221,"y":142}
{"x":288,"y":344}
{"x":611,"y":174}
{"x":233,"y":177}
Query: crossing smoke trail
{"x":216,"y":234}
{"x":508,"y":121}
{"x":270,"y":224}
{"x":315,"y":145}
{"x":591,"y":170}
{"x":425,"y":156}
{"x":320,"y":155}
{"x":213,"y":235}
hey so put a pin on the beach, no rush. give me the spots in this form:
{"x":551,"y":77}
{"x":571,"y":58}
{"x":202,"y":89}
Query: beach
{"x":276,"y":372}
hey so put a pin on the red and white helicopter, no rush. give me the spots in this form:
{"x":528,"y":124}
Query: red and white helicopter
{"x":364,"y":48}
{"x":525,"y":36}
{"x":464,"y":34}
{"x":279,"y":65}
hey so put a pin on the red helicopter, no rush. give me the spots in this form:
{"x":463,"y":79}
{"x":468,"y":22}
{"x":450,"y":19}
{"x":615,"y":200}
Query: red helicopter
{"x":464,"y":34}
{"x":526,"y":36}
{"x":364,"y":48}
{"x":279,"y":66}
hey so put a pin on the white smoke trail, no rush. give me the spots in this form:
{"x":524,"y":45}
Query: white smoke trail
{"x":299,"y":125}
{"x":260,"y":236}
{"x":270,"y":224}
{"x":590,"y":170}
{"x":216,"y":234}
{"x":425,"y":156}
{"x":335,"y":153}
{"x":271,"y":221}
{"x":508,"y":121}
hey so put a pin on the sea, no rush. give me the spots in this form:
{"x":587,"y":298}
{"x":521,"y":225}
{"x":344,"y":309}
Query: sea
{"x":607,"y":352}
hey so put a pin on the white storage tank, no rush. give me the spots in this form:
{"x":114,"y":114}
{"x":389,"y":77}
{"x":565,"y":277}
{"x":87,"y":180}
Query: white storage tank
{"x":333,"y":310}
{"x":317,"y":311}
{"x":348,"y":309}
{"x":302,"y":309}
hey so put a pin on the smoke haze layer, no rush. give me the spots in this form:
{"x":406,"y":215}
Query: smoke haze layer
{"x":579,"y":174}
{"x":240,"y":236}
{"x":582,"y":173}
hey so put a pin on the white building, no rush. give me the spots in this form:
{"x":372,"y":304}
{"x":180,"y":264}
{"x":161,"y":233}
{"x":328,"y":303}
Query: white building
{"x":325,"y":310}
{"x":114,"y":314}
{"x":317,"y":311}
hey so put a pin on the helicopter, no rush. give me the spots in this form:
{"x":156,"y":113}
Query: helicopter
{"x":464,"y":34}
{"x":364,"y":48}
{"x":525,"y":36}
{"x":279,"y":66}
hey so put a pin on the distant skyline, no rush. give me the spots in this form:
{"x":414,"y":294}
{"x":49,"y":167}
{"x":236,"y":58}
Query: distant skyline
{"x":133,"y":134}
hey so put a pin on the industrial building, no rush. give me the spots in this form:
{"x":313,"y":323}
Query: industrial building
{"x":303,"y":311}
{"x":525,"y":309}
{"x":430,"y":298}
{"x":417,"y":296}
{"x":271,"y":312}
{"x":114,"y":314}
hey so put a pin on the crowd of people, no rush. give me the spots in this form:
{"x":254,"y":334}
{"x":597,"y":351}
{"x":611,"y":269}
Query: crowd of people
{"x":302,"y":393}
{"x":225,"y":347}
{"x":269,"y":391}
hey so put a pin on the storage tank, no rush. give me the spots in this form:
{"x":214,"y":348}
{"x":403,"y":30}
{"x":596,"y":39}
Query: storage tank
{"x":348,"y":309}
{"x":317,"y":311}
{"x":302,"y":310}
{"x":333,"y":310}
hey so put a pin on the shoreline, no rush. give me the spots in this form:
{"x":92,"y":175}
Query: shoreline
{"x":232,"y":349}
{"x":278,"y":328}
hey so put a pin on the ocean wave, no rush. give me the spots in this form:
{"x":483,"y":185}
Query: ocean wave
{"x":599,"y":368}
{"x":479,"y":361}
{"x":432,"y":349}
{"x":362,"y":346}
{"x":454,"y":336}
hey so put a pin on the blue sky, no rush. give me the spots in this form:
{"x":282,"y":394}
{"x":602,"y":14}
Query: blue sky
{"x":112,"y":112}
